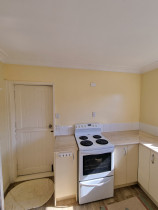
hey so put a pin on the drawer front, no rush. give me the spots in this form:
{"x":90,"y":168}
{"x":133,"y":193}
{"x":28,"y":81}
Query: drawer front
{"x":97,"y":189}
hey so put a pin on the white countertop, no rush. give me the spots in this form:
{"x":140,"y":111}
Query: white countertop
{"x":63,"y":143}
{"x":149,"y":141}
{"x":122,"y":137}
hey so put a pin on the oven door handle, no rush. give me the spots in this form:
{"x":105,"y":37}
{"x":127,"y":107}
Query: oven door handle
{"x":94,"y":185}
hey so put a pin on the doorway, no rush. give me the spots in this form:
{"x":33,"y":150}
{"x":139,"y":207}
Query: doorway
{"x":33,"y":128}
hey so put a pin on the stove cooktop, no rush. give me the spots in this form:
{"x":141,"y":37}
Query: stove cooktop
{"x":91,"y":142}
{"x":86,"y":143}
{"x":89,"y":137}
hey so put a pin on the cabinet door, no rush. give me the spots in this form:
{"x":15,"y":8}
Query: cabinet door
{"x":132,"y":163}
{"x":65,"y":175}
{"x":120,"y":165}
{"x":153,"y":181}
{"x":144,"y":167}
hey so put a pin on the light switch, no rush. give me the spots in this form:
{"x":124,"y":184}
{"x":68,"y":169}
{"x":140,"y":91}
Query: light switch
{"x":93,"y":114}
{"x":93,"y":84}
{"x":57,"y":115}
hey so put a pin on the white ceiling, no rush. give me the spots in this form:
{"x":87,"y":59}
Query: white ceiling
{"x":115,"y":35}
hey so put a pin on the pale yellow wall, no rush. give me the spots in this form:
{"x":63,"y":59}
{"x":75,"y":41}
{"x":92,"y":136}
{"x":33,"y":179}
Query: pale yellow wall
{"x":4,"y":140}
{"x":149,"y":98}
{"x":115,"y":99}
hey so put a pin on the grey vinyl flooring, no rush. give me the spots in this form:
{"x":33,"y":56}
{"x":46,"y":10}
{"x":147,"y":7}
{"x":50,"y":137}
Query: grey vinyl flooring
{"x":119,"y":195}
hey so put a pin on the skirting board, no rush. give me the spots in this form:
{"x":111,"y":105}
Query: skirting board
{"x":34,"y":176}
{"x":125,"y":185}
{"x":149,"y":129}
{"x":69,"y":130}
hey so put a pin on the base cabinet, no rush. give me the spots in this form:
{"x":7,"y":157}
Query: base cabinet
{"x":126,"y":164}
{"x":144,"y":167}
{"x":153,"y":181}
{"x":148,"y":171}
{"x":120,"y":165}
{"x":65,"y":174}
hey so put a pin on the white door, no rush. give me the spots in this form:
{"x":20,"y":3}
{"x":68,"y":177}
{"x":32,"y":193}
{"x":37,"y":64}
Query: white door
{"x":144,"y":167}
{"x":153,"y":183}
{"x":132,"y":163}
{"x":120,"y":160}
{"x":34,"y":114}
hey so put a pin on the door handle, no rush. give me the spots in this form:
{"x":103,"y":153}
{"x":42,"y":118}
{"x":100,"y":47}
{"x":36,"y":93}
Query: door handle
{"x":50,"y":126}
{"x":125,"y":151}
{"x":152,"y":158}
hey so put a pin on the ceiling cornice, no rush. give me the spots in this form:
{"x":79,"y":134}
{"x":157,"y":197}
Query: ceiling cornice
{"x":3,"y":56}
{"x":149,"y":67}
{"x":73,"y":65}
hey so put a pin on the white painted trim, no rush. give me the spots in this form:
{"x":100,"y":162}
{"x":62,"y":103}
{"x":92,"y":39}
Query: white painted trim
{"x":32,"y":83}
{"x":11,"y":108}
{"x":149,"y":128}
{"x":12,"y":139}
{"x":3,"y":56}
{"x":149,"y":67}
{"x":69,"y":130}
{"x":1,"y":186}
{"x":34,"y":176}
{"x":84,"y":66}
{"x":77,"y":65}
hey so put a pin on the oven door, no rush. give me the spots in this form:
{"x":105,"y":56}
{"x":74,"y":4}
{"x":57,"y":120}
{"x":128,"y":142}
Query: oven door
{"x":96,"y":164}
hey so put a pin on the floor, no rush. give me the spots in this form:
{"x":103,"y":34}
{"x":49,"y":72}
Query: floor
{"x":119,"y":195}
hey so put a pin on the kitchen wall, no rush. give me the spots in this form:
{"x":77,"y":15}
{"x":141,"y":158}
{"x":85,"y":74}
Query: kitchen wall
{"x":115,"y":99}
{"x":149,"y":102}
{"x":4,"y":140}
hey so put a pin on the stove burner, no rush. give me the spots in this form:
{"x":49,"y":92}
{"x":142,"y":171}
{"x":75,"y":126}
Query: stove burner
{"x":97,"y":136}
{"x":83,"y":137}
{"x":101,"y":141}
{"x":86,"y":143}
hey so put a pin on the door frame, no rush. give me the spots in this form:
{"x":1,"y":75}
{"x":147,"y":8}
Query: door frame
{"x":13,"y":170}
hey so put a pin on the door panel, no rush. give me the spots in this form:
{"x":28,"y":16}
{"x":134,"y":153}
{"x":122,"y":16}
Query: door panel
{"x":120,"y":160}
{"x":34,"y":107}
{"x":34,"y":139}
{"x":153,"y":183}
{"x":132,"y":163}
{"x":65,"y":175}
{"x":144,"y":167}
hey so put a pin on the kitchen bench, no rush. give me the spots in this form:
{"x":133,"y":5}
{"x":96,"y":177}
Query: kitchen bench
{"x":65,"y":168}
{"x":127,"y":161}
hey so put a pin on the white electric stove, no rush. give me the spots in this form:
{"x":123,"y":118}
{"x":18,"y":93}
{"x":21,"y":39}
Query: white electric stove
{"x":95,"y":165}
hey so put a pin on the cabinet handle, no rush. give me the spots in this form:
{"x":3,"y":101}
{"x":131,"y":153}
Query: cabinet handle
{"x":152,"y":158}
{"x":125,"y":152}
